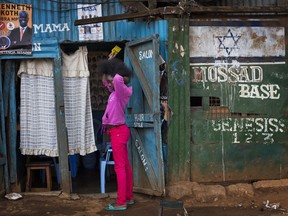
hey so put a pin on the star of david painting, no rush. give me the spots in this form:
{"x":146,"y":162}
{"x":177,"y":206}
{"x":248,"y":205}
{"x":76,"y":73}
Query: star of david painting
{"x":228,"y":42}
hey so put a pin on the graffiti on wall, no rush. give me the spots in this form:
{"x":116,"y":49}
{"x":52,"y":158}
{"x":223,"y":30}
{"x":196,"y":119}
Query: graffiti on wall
{"x":142,"y":155}
{"x":236,"y":41}
{"x":231,"y":74}
{"x":250,"y":128}
{"x":265,"y":91}
{"x":235,"y":55}
{"x":145,"y":54}
{"x":50,"y":28}
{"x":179,"y":73}
{"x":242,"y":75}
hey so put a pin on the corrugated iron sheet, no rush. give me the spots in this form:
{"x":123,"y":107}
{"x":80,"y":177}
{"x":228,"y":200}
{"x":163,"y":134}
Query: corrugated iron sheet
{"x":179,"y":132}
{"x":49,"y":48}
{"x":62,"y":14}
{"x":228,"y":141}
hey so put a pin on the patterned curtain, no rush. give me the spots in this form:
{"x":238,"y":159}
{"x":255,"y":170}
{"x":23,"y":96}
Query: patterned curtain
{"x":37,"y":106}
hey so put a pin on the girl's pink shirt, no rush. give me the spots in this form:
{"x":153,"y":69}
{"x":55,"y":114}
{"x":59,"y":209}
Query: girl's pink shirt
{"x":117,"y":101}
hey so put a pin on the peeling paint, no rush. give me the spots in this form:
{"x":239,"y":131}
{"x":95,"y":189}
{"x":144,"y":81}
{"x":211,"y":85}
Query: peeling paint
{"x":237,"y":41}
{"x":182,"y":51}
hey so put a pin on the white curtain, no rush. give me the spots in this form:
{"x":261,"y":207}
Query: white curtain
{"x":37,"y":106}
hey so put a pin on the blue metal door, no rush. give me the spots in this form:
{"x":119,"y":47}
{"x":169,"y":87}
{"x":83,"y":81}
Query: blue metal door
{"x":143,"y":116}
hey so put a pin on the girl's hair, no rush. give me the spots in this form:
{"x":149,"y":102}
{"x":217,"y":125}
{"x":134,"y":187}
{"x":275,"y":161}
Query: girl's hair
{"x":112,"y":67}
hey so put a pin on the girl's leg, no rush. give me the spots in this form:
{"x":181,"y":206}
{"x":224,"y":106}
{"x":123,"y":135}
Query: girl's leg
{"x":119,"y":138}
{"x":129,"y":179}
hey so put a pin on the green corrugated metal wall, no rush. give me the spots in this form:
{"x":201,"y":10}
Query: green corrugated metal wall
{"x":220,"y":131}
{"x":239,"y":126}
{"x":179,"y":101}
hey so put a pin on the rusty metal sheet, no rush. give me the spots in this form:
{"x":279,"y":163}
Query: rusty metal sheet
{"x":239,"y":73}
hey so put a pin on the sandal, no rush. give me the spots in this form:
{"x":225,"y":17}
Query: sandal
{"x":116,"y":207}
{"x":130,"y":202}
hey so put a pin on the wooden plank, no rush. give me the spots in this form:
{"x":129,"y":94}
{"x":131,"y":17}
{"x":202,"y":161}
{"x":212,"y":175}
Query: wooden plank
{"x":228,"y":9}
{"x":152,"y":4}
{"x":144,"y":84}
{"x":44,"y":193}
{"x":145,"y":160}
{"x":12,"y":125}
{"x":3,"y":148}
{"x":153,"y":12}
{"x":147,"y":191}
{"x":9,"y":94}
{"x":40,"y":189}
{"x":2,"y":161}
{"x":61,"y":127}
{"x":133,"y":6}
{"x":188,"y":9}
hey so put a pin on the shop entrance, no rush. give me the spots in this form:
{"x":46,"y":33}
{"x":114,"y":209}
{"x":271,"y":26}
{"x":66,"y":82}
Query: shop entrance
{"x":85,"y":174}
{"x":85,"y":169}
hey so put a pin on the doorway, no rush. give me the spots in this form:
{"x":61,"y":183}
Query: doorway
{"x":86,"y":175}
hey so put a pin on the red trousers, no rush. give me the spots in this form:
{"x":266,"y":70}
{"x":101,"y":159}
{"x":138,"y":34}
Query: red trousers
{"x":119,"y":137}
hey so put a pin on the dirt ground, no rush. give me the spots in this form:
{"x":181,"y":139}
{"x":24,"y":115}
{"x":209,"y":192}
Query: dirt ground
{"x":88,"y":205}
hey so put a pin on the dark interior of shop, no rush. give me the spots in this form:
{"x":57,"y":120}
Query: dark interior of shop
{"x":84,"y":169}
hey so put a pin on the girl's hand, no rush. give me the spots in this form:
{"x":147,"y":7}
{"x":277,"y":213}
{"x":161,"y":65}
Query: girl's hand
{"x":107,"y":78}
{"x":126,"y":79}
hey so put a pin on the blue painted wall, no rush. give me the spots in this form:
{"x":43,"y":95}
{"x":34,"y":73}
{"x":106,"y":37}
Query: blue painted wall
{"x":63,"y":15}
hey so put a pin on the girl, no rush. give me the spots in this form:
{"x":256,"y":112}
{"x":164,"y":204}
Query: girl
{"x":115,"y":76}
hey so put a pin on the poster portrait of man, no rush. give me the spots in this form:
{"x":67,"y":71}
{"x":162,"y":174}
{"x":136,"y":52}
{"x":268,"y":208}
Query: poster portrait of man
{"x":16,"y":31}
{"x":21,"y":37}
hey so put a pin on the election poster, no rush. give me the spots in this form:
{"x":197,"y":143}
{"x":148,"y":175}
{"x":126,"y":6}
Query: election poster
{"x":90,"y":31}
{"x":15,"y":29}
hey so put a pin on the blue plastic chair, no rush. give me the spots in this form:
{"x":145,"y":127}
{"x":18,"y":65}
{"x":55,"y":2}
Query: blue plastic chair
{"x":105,"y":160}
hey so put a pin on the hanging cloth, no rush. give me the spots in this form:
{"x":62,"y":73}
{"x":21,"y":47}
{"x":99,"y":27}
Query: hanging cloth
{"x":37,"y":110}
